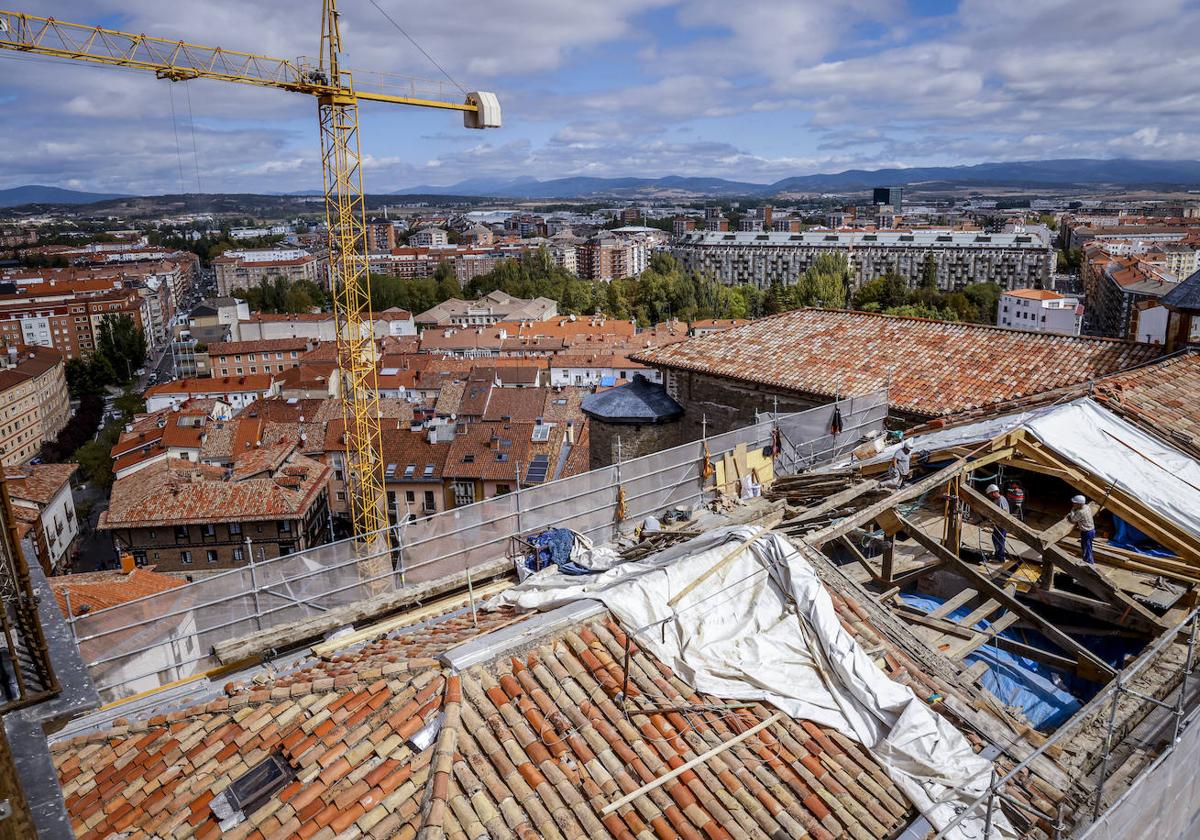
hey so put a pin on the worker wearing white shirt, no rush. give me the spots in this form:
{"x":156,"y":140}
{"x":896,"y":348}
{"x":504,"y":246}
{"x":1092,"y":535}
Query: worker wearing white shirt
{"x":1081,"y":517}
{"x":902,"y":463}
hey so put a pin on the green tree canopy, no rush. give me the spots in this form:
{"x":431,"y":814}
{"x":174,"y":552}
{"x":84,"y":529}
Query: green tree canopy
{"x":822,"y":284}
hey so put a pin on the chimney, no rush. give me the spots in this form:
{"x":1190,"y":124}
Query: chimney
{"x":127,"y":563}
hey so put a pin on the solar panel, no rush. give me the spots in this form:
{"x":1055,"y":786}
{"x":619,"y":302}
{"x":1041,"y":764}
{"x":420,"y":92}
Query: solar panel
{"x":538,"y":468}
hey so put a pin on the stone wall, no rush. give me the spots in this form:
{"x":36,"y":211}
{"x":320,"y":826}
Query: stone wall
{"x":728,"y":404}
{"x":636,"y":440}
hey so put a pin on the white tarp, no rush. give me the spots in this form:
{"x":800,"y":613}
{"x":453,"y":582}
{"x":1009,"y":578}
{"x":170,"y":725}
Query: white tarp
{"x":1092,"y":437}
{"x":737,"y":636}
{"x":1117,"y":451}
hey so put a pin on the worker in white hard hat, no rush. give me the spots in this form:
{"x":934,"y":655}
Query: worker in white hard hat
{"x":999,"y":535}
{"x":902,"y":464}
{"x":1081,"y":517}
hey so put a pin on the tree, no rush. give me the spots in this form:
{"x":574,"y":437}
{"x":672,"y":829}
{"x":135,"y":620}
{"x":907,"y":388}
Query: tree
{"x":123,"y":344}
{"x":447,"y":281}
{"x":822,"y":284}
{"x":883,"y":293}
{"x":775,"y":300}
{"x":929,"y":272}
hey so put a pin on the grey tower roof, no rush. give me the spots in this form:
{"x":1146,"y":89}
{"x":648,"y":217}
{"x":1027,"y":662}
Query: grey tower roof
{"x":639,"y":401}
{"x":1185,"y":296}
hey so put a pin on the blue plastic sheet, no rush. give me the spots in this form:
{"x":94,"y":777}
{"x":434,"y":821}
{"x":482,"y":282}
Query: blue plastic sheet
{"x":1014,"y":680}
{"x":553,"y":546}
{"x":1131,"y":539}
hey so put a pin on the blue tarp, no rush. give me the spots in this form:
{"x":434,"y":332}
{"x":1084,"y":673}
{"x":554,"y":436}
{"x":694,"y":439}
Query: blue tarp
{"x":553,"y":546}
{"x":1130,"y":538}
{"x":1014,"y":680}
{"x":608,"y":381}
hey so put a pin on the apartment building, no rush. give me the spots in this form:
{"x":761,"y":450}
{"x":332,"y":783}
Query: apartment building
{"x":42,"y":501}
{"x":381,"y":235}
{"x":67,"y":316}
{"x":184,"y":517}
{"x":1041,"y":311}
{"x":34,"y":404}
{"x":1125,"y":302}
{"x":429,"y":237}
{"x":245,"y":269}
{"x":236,"y":391}
{"x":273,"y":355}
{"x":1013,"y":261}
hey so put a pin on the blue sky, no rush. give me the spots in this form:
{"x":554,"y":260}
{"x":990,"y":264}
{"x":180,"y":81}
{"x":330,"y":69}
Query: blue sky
{"x":754,"y":90}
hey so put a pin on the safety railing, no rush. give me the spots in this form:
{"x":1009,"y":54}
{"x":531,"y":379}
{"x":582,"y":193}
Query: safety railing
{"x":168,"y":636}
{"x":1101,"y":714}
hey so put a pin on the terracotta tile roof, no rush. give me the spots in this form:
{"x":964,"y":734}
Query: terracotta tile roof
{"x":449,"y":397}
{"x":181,"y":492}
{"x":38,"y":482}
{"x":493,"y":451}
{"x":1162,"y":397}
{"x":933,"y":368}
{"x":520,"y":405}
{"x":269,"y":345}
{"x":1035,"y":294}
{"x":257,"y":382}
{"x":98,"y":590}
{"x":402,"y":447}
{"x":528,"y":747}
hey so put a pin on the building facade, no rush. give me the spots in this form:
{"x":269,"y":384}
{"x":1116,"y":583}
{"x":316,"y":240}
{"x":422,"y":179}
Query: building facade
{"x":1012,"y":261}
{"x":1041,"y":311}
{"x":34,"y":404}
{"x":249,"y":268}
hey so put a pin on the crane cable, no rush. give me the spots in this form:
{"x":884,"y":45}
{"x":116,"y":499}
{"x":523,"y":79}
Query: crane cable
{"x":412,"y":41}
{"x":187,"y":89}
{"x":178,"y":148}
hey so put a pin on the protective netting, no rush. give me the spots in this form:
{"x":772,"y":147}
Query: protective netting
{"x":168,"y":636}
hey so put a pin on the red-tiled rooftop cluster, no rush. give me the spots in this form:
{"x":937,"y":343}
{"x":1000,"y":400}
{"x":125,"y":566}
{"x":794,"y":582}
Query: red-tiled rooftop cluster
{"x":931,"y":368}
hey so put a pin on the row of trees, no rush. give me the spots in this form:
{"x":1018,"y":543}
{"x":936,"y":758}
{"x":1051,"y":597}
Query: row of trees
{"x":278,"y":295}
{"x":661,"y":292}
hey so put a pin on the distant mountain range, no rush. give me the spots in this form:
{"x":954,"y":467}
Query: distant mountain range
{"x":1066,"y":173}
{"x":1070,"y":172}
{"x":37,"y":194}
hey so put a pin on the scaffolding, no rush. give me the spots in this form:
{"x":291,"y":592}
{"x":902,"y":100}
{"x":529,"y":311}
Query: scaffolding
{"x":169,"y":636}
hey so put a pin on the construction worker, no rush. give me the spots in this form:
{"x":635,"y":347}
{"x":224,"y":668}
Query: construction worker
{"x":999,"y":535}
{"x":902,"y":464}
{"x":1081,"y":517}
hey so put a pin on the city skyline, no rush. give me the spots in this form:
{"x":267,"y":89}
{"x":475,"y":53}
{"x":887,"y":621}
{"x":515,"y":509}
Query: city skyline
{"x":624,"y":89}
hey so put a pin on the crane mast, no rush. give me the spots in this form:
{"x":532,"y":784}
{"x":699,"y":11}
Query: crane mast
{"x":345,"y":210}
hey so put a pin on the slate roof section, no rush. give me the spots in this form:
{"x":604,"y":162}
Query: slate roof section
{"x":638,"y":401}
{"x":529,"y":747}
{"x":931,"y":368}
{"x":1185,"y":296}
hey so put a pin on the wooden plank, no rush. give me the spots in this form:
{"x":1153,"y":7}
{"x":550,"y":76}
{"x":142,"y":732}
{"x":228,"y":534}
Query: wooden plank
{"x":867,"y":514}
{"x":983,"y":611}
{"x":954,"y":603}
{"x":1085,"y":657}
{"x":688,"y":765}
{"x":984,"y":637}
{"x":1116,"y":499}
{"x":834,"y":502}
{"x":950,"y":629}
{"x":975,"y":673}
{"x":1087,"y":576}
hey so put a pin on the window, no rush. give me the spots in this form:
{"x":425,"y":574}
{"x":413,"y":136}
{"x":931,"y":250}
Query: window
{"x":285,"y":527}
{"x":410,"y":496}
{"x":235,"y":528}
{"x":185,"y":557}
{"x":430,"y":504}
{"x":210,"y":556}
{"x":391,"y":497}
{"x":469,"y":458}
{"x":503,"y":490}
{"x":410,"y":470}
{"x":209,"y":530}
{"x":238,"y":554}
{"x":181,"y":533}
{"x":341,"y":496}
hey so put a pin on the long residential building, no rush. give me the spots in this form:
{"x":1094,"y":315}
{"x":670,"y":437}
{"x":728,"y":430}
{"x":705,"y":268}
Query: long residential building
{"x":34,"y":404}
{"x":249,"y":268}
{"x":1013,"y":260}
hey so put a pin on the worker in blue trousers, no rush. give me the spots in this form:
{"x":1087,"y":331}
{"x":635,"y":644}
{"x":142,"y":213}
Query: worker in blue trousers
{"x":999,"y":535}
{"x":1081,"y":517}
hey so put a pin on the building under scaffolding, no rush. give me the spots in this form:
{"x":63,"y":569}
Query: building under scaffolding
{"x":307,"y":709}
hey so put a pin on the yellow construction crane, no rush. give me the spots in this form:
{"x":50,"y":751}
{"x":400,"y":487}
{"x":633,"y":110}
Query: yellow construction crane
{"x":337,"y":106}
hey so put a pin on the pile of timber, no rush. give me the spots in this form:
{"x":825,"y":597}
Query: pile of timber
{"x":809,"y":488}
{"x":654,"y":542}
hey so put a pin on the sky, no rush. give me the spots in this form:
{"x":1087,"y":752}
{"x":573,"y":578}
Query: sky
{"x":752,"y":90}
